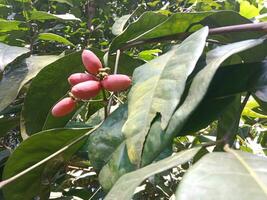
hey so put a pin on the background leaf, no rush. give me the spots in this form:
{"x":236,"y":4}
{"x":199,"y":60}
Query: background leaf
{"x":119,"y":24}
{"x":9,"y":53}
{"x":55,"y":38}
{"x":230,"y":173}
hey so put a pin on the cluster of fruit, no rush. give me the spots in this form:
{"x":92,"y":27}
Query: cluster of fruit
{"x":87,"y":85}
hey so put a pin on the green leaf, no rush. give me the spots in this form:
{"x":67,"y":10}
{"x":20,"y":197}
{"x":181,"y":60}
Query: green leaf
{"x":9,"y":53}
{"x":228,"y":123}
{"x":149,"y":54}
{"x":240,"y":175}
{"x":55,"y":38}
{"x":68,"y":2}
{"x":146,"y":22}
{"x":106,"y":139}
{"x":249,"y":110}
{"x":41,"y":16}
{"x":8,"y":25}
{"x":107,"y":149}
{"x":248,"y":10}
{"x":33,"y":150}
{"x":47,"y":88}
{"x":126,"y":185}
{"x":119,"y":24}
{"x":7,"y":124}
{"x":20,"y":74}
{"x":157,"y":88}
{"x":195,"y":95}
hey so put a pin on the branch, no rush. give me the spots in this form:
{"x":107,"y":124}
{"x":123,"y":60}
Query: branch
{"x":213,"y":31}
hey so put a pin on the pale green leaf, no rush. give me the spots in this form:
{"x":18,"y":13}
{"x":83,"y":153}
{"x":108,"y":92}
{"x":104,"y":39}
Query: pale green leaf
{"x":119,"y":24}
{"x":157,"y":88}
{"x":20,"y":74}
{"x":231,"y":176}
{"x":126,"y":185}
{"x":9,"y":53}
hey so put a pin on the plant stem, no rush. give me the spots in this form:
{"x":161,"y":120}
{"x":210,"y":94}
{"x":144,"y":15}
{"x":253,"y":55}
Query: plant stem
{"x":13,"y":178}
{"x":115,"y":72}
{"x":105,"y":100}
{"x":213,"y":31}
{"x":117,"y":61}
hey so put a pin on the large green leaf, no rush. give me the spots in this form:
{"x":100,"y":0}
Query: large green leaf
{"x":238,"y":175}
{"x":20,"y":74}
{"x":47,"y":88}
{"x":110,"y":141}
{"x":9,"y":53}
{"x":157,"y":88}
{"x":33,"y":150}
{"x":195,"y":95}
{"x":55,"y":38}
{"x":126,"y":185}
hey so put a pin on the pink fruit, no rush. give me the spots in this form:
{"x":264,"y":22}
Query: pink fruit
{"x":91,"y":61}
{"x":76,"y":78}
{"x":116,"y":83}
{"x":86,"y":90}
{"x":63,"y":107}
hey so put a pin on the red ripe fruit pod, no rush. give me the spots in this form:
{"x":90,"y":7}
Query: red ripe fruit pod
{"x":116,"y":82}
{"x":76,"y":78}
{"x":91,"y":62}
{"x":63,"y":107}
{"x":86,"y":90}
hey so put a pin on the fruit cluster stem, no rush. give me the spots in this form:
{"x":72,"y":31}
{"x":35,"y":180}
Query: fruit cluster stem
{"x":105,"y":100}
